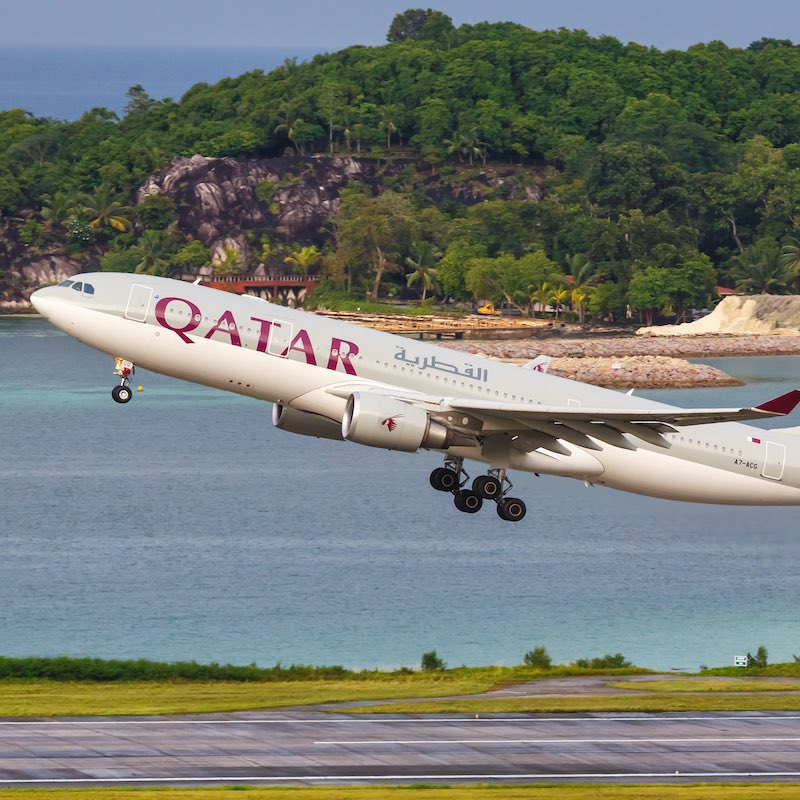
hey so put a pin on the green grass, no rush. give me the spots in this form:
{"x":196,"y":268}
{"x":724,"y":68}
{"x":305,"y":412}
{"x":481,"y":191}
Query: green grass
{"x":785,"y":670}
{"x":646,"y":703}
{"x":60,"y":698}
{"x":702,"y":685}
{"x":717,"y":791}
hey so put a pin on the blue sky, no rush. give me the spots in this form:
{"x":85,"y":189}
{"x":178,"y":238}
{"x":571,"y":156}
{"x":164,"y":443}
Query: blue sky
{"x":336,"y":23}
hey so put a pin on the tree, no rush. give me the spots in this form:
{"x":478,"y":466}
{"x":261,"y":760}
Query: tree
{"x":422,"y":266}
{"x":105,"y":209}
{"x":418,"y":23}
{"x":760,"y":270}
{"x":432,"y":663}
{"x":759,"y":659}
{"x":372,"y":232}
{"x":153,"y":252}
{"x":538,"y":658}
{"x":651,"y":291}
{"x":191,"y":257}
{"x":304,"y":258}
{"x":558,"y":295}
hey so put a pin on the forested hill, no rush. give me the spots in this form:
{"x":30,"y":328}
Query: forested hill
{"x":658,"y":170}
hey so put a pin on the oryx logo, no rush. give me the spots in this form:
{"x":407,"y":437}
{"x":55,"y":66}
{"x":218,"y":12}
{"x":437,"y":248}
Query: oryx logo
{"x":390,"y":422}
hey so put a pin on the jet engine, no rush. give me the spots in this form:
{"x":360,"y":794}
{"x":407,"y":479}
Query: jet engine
{"x":379,"y":421}
{"x":305,"y":423}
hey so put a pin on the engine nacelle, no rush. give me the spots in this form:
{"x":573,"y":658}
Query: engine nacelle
{"x":305,"y":423}
{"x":379,"y":421}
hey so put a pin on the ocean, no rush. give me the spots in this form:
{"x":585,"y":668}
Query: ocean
{"x":64,"y":82}
{"x":184,"y":526}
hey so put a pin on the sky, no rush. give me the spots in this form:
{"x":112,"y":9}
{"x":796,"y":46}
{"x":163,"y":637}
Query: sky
{"x":333,"y":24}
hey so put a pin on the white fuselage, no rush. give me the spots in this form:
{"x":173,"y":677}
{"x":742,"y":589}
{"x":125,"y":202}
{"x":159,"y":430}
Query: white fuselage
{"x":310,"y":363}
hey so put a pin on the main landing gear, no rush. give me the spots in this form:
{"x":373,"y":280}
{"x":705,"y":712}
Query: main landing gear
{"x":123,"y":370}
{"x":494,"y":486}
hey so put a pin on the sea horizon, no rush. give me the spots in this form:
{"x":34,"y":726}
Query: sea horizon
{"x":64,"y":82}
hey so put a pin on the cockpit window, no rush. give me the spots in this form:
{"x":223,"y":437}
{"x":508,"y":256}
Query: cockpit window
{"x":78,"y":286}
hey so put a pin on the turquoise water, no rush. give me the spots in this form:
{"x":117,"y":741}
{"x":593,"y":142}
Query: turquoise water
{"x":184,"y":526}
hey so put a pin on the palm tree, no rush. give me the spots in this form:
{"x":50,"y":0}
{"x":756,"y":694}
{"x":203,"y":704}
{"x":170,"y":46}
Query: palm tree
{"x":60,"y":207}
{"x":388,"y":123}
{"x":760,"y":270}
{"x":304,"y":258}
{"x":579,"y":295}
{"x":558,"y":295}
{"x":153,"y":252}
{"x":542,"y":296}
{"x":790,"y":258}
{"x":425,"y":256}
{"x":105,"y":209}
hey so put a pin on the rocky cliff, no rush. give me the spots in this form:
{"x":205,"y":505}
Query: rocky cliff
{"x":218,"y":202}
{"x":229,"y":203}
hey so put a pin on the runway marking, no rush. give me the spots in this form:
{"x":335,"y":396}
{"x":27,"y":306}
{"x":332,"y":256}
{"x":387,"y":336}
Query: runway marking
{"x":564,"y":740}
{"x":95,"y":722}
{"x":245,"y":779}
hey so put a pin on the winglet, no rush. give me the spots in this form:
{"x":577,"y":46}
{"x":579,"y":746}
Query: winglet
{"x":782,"y":405}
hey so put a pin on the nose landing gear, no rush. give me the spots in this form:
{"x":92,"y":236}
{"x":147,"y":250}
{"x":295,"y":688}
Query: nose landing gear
{"x":493,"y":486}
{"x":123,"y":369}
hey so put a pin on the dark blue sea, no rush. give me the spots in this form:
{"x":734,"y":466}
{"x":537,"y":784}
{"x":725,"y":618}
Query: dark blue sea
{"x":184,"y":526}
{"x":64,"y":82}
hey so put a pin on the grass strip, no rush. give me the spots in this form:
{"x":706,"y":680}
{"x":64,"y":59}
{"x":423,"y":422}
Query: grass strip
{"x":703,"y":685}
{"x":64,"y":698}
{"x":652,"y":703}
{"x":716,"y":791}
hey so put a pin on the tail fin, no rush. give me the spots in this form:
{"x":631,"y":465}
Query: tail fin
{"x":538,"y":364}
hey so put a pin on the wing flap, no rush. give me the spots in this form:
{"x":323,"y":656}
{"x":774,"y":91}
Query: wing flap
{"x":780,"y":406}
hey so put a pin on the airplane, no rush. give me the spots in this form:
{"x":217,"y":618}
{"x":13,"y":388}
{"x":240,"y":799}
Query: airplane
{"x":339,"y":381}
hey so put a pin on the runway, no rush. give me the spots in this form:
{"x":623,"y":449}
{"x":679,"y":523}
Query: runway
{"x":307,"y":748}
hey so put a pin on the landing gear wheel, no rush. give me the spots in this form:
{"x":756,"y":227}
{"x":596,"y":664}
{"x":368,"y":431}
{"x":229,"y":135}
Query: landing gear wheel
{"x":487,"y":487}
{"x":121,"y":394}
{"x":444,"y":480}
{"x":511,"y":509}
{"x":467,"y":501}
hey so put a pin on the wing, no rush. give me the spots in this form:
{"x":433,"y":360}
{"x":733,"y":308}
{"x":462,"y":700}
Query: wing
{"x":542,"y":426}
{"x":576,"y":423}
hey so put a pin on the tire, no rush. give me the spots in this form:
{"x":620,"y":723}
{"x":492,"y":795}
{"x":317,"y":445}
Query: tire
{"x":468,"y":502}
{"x":444,"y":480}
{"x":511,"y":509}
{"x":487,"y":486}
{"x":121,"y":394}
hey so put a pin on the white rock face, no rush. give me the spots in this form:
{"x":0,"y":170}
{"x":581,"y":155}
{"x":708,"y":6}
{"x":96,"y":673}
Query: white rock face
{"x":752,"y":314}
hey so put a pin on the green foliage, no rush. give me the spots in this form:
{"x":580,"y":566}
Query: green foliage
{"x":265,"y":191}
{"x":96,"y":669}
{"x":638,"y":159}
{"x":431,"y":662}
{"x":759,"y":659}
{"x":190,"y":257}
{"x":32,"y":233}
{"x":156,"y":212}
{"x":616,"y":661}
{"x":538,"y":658}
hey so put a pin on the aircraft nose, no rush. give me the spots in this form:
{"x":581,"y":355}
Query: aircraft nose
{"x":43,"y":300}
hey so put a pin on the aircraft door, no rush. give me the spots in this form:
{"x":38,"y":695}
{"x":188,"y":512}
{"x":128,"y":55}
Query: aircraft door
{"x":775,"y":461}
{"x":280,"y":337}
{"x":138,"y":303}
